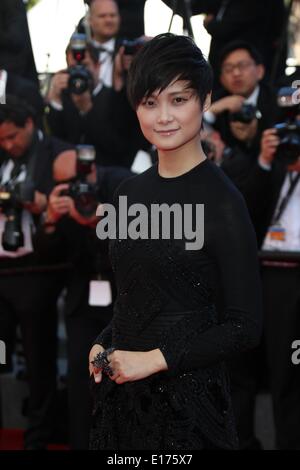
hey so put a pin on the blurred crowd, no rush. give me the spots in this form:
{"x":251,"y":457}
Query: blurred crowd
{"x":63,"y":153}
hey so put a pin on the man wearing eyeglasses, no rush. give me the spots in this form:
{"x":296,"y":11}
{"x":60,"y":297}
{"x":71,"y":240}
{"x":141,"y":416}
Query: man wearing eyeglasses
{"x":241,"y":72}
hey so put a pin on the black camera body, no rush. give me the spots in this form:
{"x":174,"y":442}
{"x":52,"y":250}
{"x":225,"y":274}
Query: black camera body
{"x":80,"y":79}
{"x":12,"y":197}
{"x":288,"y":131}
{"x":85,"y":197}
{"x":131,"y":47}
{"x":246,"y":114}
{"x":84,"y":193}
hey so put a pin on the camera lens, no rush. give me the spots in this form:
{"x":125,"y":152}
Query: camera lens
{"x":80,"y":80}
{"x":12,"y":237}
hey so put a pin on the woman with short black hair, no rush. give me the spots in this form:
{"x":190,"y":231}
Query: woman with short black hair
{"x":183,"y":307}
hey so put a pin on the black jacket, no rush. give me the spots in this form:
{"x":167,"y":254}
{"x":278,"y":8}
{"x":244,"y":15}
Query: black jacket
{"x":260,"y":188}
{"x":132,"y":14}
{"x":259,"y":22}
{"x":15,"y":46}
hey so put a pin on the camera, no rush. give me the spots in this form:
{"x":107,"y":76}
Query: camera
{"x":246,"y":114}
{"x":131,"y":47}
{"x":288,"y":131}
{"x":12,"y":197}
{"x":80,"y":79}
{"x":84,"y":194}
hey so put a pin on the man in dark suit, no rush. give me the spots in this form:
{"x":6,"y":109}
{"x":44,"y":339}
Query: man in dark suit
{"x":15,"y":45}
{"x":132,"y":19}
{"x":28,"y":289}
{"x":101,"y":116}
{"x":247,"y":370}
{"x":69,"y":236}
{"x":241,"y":75}
{"x":272,"y":192}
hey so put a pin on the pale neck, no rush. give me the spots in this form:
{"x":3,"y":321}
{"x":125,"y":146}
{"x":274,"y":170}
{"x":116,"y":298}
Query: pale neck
{"x":174,"y":163}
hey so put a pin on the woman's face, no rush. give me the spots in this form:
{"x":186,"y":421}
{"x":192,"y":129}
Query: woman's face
{"x":172,"y":118}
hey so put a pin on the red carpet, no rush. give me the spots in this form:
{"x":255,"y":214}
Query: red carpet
{"x":12,"y":439}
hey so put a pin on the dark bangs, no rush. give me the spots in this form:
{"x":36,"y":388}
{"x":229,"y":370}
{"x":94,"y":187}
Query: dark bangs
{"x":162,"y":60}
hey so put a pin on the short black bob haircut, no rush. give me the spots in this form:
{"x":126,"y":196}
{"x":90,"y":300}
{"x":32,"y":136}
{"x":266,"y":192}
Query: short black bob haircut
{"x":17,"y":111}
{"x":234,"y":46}
{"x":162,"y":60}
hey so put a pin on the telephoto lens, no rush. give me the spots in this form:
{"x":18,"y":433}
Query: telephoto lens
{"x":12,"y":236}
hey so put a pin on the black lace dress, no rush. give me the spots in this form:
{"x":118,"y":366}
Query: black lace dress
{"x":167,"y":298}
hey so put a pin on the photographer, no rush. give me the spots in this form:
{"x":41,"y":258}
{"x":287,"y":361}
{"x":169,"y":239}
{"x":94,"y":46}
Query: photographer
{"x":106,"y":22}
{"x":281,"y":282}
{"x":243,"y":94}
{"x":82,"y":110}
{"x":28,"y":289}
{"x":239,"y":163}
{"x":272,"y":191}
{"x":69,"y":235}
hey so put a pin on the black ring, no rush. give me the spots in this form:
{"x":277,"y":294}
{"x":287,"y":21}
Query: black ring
{"x":101,"y":360}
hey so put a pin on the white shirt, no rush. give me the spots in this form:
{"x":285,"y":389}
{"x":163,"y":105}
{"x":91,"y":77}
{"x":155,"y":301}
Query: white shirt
{"x":289,"y":220}
{"x":106,"y":62}
{"x":3,"y":82}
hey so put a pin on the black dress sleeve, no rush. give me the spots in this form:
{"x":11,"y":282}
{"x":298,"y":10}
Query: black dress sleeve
{"x":230,"y":240}
{"x":105,"y":337}
{"x":13,"y":26}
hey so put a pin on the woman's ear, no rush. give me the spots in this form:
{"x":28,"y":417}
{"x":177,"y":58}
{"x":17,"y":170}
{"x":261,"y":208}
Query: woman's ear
{"x":207,"y":102}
